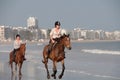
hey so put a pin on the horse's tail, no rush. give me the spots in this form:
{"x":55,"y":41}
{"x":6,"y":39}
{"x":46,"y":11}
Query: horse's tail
{"x":45,"y":55}
{"x":10,"y":58}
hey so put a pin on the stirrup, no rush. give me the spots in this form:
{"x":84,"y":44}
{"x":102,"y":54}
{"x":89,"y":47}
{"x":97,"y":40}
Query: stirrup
{"x":49,"y":51}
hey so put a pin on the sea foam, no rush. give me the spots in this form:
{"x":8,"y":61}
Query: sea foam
{"x":99,"y":51}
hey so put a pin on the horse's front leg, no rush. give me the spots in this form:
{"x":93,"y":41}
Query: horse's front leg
{"x":45,"y":61}
{"x":20,"y":66}
{"x":16,"y":67}
{"x":46,"y":66}
{"x":63,"y":69}
{"x":54,"y":69}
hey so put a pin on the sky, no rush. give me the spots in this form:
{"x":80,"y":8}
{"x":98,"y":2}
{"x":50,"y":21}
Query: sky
{"x":86,"y":14}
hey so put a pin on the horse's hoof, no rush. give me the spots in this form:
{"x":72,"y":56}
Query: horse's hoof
{"x":60,"y":76}
{"x":48,"y":77}
{"x":20,"y":75}
{"x":12,"y":72}
{"x":52,"y":75}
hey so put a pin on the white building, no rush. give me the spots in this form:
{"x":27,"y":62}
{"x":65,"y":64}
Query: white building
{"x":99,"y":34}
{"x":83,"y":34}
{"x":44,"y":33}
{"x":32,"y":23}
{"x":2,"y":33}
{"x":76,"y":33}
{"x":108,"y":35}
{"x":116,"y":35}
{"x":5,"y":33}
{"x":90,"y":34}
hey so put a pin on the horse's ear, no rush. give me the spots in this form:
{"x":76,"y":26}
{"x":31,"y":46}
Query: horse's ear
{"x":68,"y":35}
{"x":64,"y":34}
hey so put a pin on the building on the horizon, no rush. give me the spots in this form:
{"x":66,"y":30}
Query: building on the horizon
{"x":6,"y":33}
{"x":2,"y":33}
{"x":82,"y":34}
{"x":32,"y":23}
{"x":116,"y":35}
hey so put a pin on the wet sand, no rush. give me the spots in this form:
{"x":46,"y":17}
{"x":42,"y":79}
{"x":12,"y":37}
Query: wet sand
{"x":79,"y":66}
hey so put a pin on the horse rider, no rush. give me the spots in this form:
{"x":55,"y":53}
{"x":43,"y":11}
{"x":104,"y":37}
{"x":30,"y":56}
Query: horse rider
{"x":17,"y":44}
{"x":55,"y":33}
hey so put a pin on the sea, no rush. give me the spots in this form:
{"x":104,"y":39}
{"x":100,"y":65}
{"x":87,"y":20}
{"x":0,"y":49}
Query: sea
{"x":87,"y":60}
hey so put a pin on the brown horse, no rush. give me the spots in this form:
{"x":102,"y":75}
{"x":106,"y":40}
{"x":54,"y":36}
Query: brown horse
{"x":57,"y":54}
{"x":18,"y":59}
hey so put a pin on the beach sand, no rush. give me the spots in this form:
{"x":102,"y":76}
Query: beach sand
{"x":79,"y":65}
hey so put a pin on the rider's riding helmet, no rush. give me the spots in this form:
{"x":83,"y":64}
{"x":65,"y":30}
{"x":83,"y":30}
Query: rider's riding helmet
{"x":57,"y":23}
{"x":17,"y":35}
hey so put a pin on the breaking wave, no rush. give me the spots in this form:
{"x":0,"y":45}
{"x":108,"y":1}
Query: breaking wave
{"x":99,"y":51}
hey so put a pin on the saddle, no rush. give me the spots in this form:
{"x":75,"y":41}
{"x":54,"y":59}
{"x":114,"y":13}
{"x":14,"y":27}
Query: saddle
{"x":52,"y":45}
{"x":14,"y":52}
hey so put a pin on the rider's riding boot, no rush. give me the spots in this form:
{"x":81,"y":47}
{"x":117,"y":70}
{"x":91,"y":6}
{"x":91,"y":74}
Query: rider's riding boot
{"x":14,"y":55}
{"x":50,"y":47}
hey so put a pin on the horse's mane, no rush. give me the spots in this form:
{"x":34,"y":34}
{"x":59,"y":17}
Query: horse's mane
{"x":62,"y":37}
{"x":21,"y":45}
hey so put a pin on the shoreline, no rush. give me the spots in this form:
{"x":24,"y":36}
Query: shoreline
{"x":46,"y":41}
{"x":94,"y":40}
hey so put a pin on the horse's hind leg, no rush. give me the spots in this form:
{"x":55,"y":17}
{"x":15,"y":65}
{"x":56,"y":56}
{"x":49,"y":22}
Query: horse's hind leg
{"x":54,"y":70}
{"x":16,"y":67}
{"x":11,"y":64}
{"x":63,"y":69}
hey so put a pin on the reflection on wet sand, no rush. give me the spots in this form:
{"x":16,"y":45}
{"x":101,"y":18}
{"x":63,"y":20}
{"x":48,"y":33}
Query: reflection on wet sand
{"x":80,"y":65}
{"x":31,"y":70}
{"x":1,"y":67}
{"x":15,"y":77}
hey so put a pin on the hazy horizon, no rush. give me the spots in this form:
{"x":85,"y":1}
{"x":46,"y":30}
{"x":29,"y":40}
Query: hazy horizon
{"x":86,"y":14}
